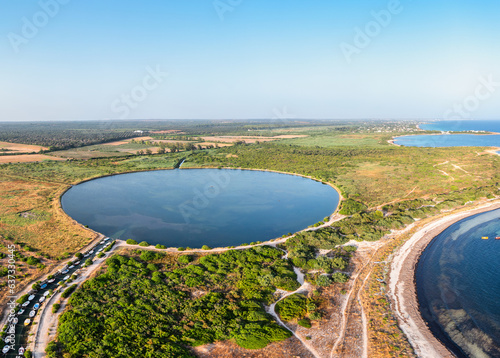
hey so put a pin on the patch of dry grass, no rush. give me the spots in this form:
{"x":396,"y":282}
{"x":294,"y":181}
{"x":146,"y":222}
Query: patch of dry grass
{"x":21,"y":148}
{"x":26,"y":158}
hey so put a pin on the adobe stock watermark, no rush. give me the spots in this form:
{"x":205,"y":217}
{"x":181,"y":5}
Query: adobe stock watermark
{"x":138,"y":94}
{"x":10,"y":337}
{"x":487,"y":86}
{"x":32,"y":25}
{"x":223,"y":6}
{"x":363,"y":36}
{"x":201,"y":198}
{"x":282,"y":115}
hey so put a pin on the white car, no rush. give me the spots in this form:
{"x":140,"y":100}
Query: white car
{"x":25,"y":303}
{"x":41,"y":299}
{"x":65,"y":271}
{"x":66,"y":277}
{"x":31,"y":297}
{"x":46,"y":293}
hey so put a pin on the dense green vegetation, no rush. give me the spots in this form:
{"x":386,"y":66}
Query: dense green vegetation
{"x":296,"y":307}
{"x":61,"y":135}
{"x":157,"y":307}
{"x":350,"y":207}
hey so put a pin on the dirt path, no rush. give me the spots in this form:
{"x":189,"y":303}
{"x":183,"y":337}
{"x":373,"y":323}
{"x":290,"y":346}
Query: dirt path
{"x":305,"y":288}
{"x":345,"y":306}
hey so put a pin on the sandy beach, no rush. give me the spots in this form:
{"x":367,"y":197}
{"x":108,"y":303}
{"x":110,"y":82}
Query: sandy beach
{"x":402,"y":290}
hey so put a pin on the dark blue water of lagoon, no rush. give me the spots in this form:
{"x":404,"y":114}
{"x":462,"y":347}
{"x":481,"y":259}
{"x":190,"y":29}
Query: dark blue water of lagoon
{"x":458,"y":286}
{"x":463,"y":125}
{"x":449,"y":140}
{"x":194,"y":207}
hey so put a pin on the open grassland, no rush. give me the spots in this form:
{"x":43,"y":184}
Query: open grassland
{"x":340,"y":140}
{"x":30,"y":216}
{"x":20,"y":148}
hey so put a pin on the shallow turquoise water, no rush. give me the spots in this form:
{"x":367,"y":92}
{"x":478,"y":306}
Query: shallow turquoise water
{"x":458,"y":286}
{"x":193,"y":207}
{"x":449,"y":140}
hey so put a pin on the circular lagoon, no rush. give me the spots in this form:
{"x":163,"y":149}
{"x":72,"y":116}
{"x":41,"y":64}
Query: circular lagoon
{"x":195,"y":207}
{"x":458,"y":286}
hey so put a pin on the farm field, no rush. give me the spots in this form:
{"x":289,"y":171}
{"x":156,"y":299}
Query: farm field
{"x":26,"y":158}
{"x":250,"y":139}
{"x":19,"y":148}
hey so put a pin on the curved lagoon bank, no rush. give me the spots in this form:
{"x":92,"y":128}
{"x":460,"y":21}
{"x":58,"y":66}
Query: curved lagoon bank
{"x":402,"y":284}
{"x":458,"y":286}
{"x":195,"y":207}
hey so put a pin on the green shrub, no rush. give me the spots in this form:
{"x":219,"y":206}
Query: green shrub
{"x":147,"y":255}
{"x":340,"y":277}
{"x":292,"y":307}
{"x":351,"y":207}
{"x":324,"y":281}
{"x":144,"y":244}
{"x":131,"y":242}
{"x":110,"y":246}
{"x":304,"y":323}
{"x":52,"y":349}
{"x":67,"y":292}
{"x":32,"y":261}
{"x":100,"y":254}
{"x":315,"y":316}
{"x":349,"y":248}
{"x":185,"y":259}
{"x":22,"y":299}
{"x":205,"y":247}
{"x":55,"y":307}
{"x":160,"y":246}
{"x":79,"y":255}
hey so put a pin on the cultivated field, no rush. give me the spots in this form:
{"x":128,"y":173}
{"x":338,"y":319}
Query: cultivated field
{"x":20,"y":148}
{"x":250,"y":139}
{"x":26,"y":158}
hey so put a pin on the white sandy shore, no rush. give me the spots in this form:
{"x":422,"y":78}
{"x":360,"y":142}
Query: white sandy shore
{"x":402,"y":290}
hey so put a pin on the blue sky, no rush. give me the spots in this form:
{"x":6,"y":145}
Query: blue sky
{"x":233,"y":59}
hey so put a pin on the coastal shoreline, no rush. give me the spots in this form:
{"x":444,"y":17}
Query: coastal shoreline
{"x":402,"y":286}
